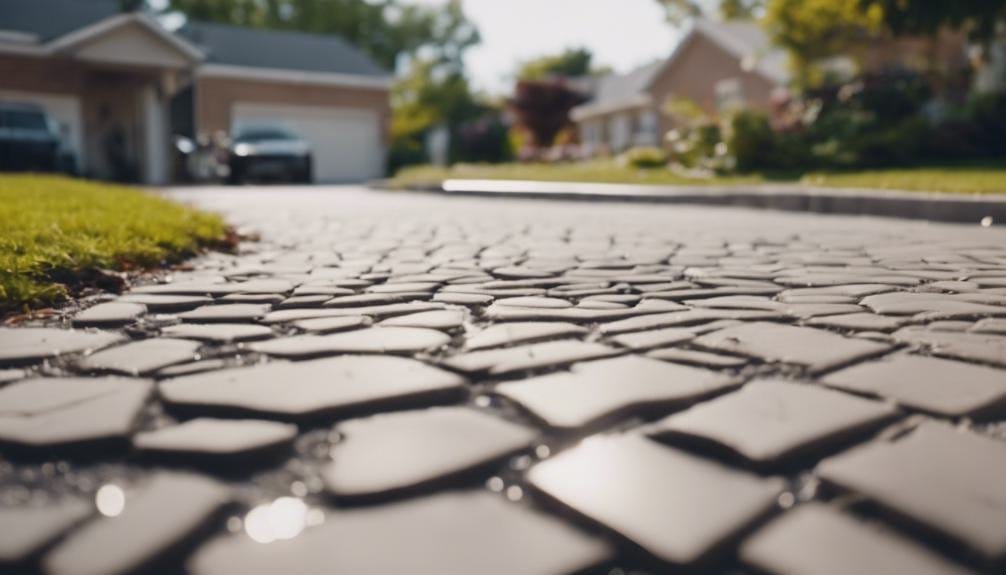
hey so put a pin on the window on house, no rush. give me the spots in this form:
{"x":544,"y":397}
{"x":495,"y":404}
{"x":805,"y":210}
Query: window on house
{"x":649,"y":126}
{"x":729,"y":94}
{"x":620,"y":128}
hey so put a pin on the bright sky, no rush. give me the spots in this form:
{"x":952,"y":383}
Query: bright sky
{"x":622,"y":34}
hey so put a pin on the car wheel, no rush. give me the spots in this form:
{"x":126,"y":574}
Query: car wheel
{"x":235,"y":177}
{"x":305,"y":172}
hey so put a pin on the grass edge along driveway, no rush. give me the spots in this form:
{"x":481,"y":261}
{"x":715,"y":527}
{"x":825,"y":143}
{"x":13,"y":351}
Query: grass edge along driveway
{"x":56,"y":232}
{"x":962,"y":179}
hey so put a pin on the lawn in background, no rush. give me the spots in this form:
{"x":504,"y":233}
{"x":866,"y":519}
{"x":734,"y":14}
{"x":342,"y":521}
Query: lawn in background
{"x":57,"y":231}
{"x":966,"y":179}
{"x":599,"y":171}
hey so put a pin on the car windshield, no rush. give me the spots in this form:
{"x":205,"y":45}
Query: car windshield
{"x":24,"y":120}
{"x":263,"y":134}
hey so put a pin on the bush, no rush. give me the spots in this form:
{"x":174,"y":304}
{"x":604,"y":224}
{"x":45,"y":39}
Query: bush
{"x":694,"y":146}
{"x":751,"y":140}
{"x":405,"y":151}
{"x":873,"y":122}
{"x":987,"y":114}
{"x":646,"y":158}
{"x":483,"y":140}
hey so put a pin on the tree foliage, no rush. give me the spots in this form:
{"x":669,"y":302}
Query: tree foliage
{"x":813,"y":30}
{"x":570,"y":63}
{"x":925,"y":17}
{"x":680,"y":11}
{"x":429,"y":95}
{"x":542,"y":108}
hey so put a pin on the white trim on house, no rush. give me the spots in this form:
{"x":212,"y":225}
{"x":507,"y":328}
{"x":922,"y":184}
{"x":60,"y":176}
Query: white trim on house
{"x":18,"y":37}
{"x":68,"y":42}
{"x":23,"y":49}
{"x":293,"y":76}
{"x":82,"y":35}
{"x":155,"y":136}
{"x":587,"y":111}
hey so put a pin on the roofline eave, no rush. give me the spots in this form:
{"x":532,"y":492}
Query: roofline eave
{"x":588,"y":110}
{"x":283,"y":75}
{"x":81,"y":35}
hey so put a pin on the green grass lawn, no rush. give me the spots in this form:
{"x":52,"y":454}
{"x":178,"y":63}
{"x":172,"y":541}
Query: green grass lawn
{"x":601,"y":172}
{"x":975,"y":179}
{"x":56,"y":231}
{"x":967,"y":179}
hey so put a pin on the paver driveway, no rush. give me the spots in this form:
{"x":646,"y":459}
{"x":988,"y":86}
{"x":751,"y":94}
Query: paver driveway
{"x":394,"y":383}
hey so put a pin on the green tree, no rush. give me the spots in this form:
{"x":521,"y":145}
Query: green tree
{"x":925,"y":17}
{"x":570,"y":63}
{"x":680,"y":11}
{"x":812,"y":30}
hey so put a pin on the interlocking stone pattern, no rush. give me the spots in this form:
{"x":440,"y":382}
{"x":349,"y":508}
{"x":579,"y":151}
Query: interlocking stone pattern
{"x":392,"y":383}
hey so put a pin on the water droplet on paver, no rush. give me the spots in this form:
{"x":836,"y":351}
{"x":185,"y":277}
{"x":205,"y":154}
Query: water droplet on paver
{"x":519,"y":463}
{"x":986,"y":222}
{"x":786,"y":500}
{"x":282,"y":519}
{"x":234,"y":524}
{"x":808,"y":490}
{"x":298,"y":489}
{"x":315,"y":517}
{"x":110,"y":500}
{"x":514,"y":493}
{"x":483,"y":401}
{"x":495,"y":484}
{"x":315,"y":484}
{"x":542,"y":451}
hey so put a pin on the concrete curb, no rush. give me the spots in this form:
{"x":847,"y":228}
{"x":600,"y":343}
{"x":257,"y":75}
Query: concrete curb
{"x":788,"y":197}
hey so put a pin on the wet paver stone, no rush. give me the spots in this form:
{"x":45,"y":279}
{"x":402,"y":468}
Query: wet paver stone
{"x":389,"y":453}
{"x":954,"y":486}
{"x":389,"y":383}
{"x":770,"y":420}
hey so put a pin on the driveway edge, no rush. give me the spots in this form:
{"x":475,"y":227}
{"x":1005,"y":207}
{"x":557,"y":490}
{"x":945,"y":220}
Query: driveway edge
{"x":941,"y":207}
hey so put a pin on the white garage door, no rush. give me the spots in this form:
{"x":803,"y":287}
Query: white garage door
{"x":65,"y":110}
{"x":346,"y":142}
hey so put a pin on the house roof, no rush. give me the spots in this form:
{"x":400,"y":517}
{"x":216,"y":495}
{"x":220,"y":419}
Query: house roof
{"x":744,"y":40}
{"x":272,"y":49}
{"x":48,"y":19}
{"x":623,"y":88}
{"x":46,"y":25}
{"x":747,"y":40}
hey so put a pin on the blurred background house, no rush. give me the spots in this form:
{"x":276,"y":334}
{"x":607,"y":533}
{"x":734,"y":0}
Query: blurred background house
{"x":721,"y":66}
{"x":120,"y":85}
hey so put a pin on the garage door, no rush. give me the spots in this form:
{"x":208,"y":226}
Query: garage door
{"x":65,"y":110}
{"x":346,"y":142}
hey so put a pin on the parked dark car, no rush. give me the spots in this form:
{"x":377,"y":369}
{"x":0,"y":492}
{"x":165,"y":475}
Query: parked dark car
{"x":269,"y":153}
{"x":29,"y":141}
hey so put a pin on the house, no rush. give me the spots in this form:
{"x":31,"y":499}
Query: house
{"x":120,"y":86}
{"x":717,"y":65}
